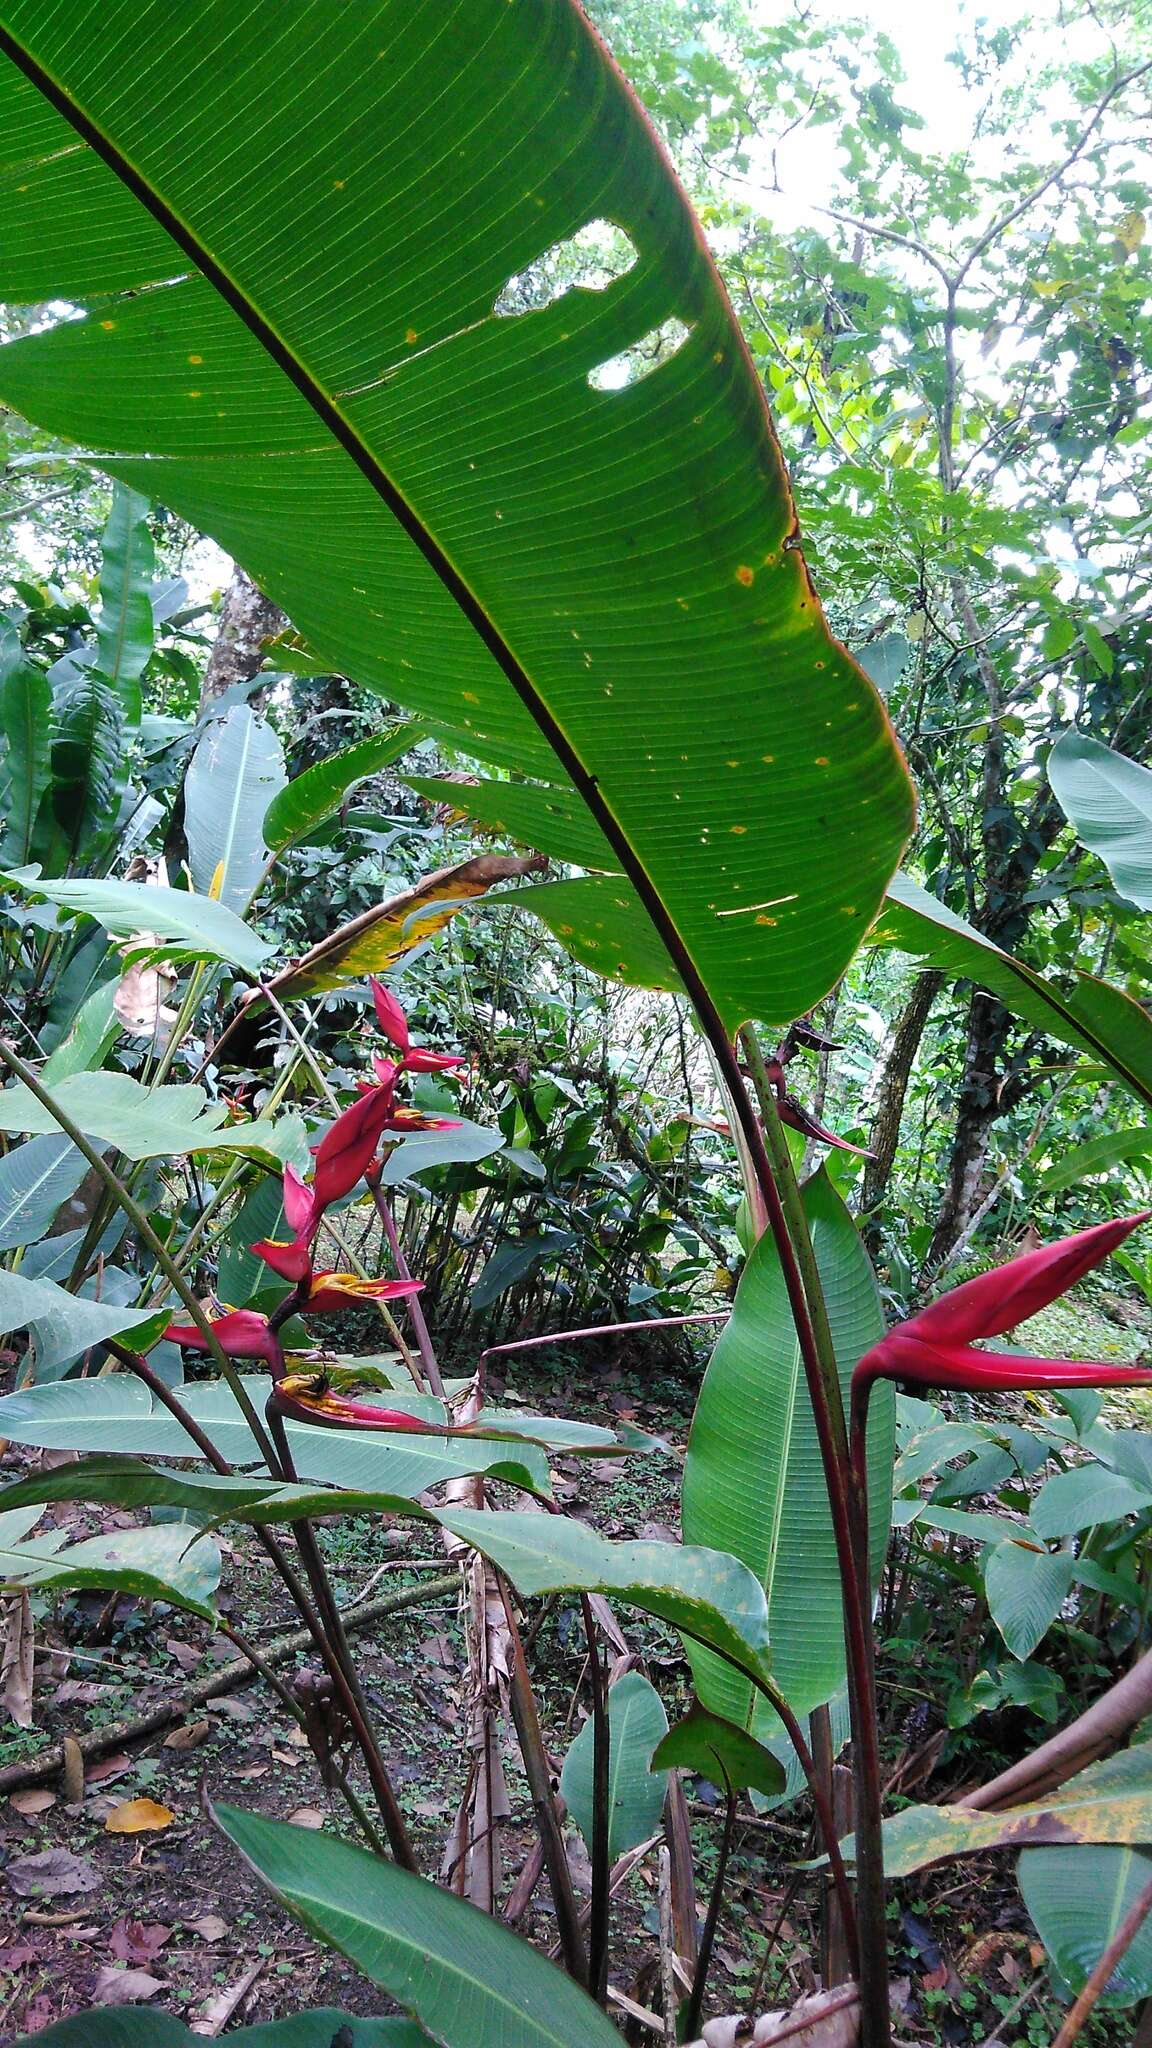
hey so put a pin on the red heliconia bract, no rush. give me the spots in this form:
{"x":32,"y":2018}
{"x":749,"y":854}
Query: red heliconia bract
{"x":390,"y":1015}
{"x":300,"y":1205}
{"x":331,"y":1291}
{"x":347,"y":1150}
{"x":240,"y":1334}
{"x":936,"y":1348}
{"x":292,"y":1260}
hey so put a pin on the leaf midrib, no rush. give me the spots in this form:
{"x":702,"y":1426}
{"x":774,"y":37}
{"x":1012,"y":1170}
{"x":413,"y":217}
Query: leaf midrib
{"x":320,"y":1917}
{"x":322,"y":403}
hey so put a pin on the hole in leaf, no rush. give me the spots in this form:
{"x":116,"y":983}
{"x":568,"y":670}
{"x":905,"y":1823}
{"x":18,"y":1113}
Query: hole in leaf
{"x":658,"y":346}
{"x":591,"y":259}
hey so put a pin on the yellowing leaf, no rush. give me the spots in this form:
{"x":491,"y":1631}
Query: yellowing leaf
{"x":1130,"y":231}
{"x":377,"y":939}
{"x":138,"y":1817}
{"x":216,"y":885}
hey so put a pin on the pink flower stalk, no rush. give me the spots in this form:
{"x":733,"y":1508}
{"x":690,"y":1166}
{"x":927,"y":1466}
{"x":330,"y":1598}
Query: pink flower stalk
{"x":936,"y":1347}
{"x":240,"y":1334}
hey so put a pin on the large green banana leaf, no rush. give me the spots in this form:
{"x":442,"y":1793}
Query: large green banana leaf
{"x":288,"y":229}
{"x":753,"y":1480}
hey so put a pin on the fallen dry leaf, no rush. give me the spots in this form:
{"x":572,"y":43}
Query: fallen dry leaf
{"x":306,"y":1817}
{"x":131,"y":1941}
{"x":187,"y":1657}
{"x":285,"y":1756}
{"x":72,"y":1776}
{"x":50,"y":1874}
{"x":187,"y":1736}
{"x":210,"y":1927}
{"x":124,"y":1987}
{"x":138,"y":1817}
{"x":108,"y":1767}
{"x":17,"y":1642}
{"x":36,"y":1799}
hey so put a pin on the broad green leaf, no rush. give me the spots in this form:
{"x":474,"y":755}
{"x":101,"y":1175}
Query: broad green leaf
{"x":706,"y":1594}
{"x":235,"y":773}
{"x":148,"y":1123}
{"x":379,"y":938}
{"x":512,"y":1260}
{"x":716,"y":1750}
{"x":1082,"y":1497}
{"x":125,"y":626}
{"x":34,"y":1179}
{"x":154,"y":1563}
{"x":1026,"y":1588}
{"x":1109,"y":1802}
{"x":193,"y":924}
{"x":127,"y":1482}
{"x":25,"y":768}
{"x":466,"y":1978}
{"x":90,"y":742}
{"x":1096,"y":1155}
{"x":636,"y":1723}
{"x":117,"y":1413}
{"x":602,"y":923}
{"x":260,"y":1215}
{"x":553,"y":820}
{"x":753,"y":1478}
{"x":317,"y":794}
{"x":89,"y":1038}
{"x":424,"y":1150}
{"x":443,"y":496}
{"x":1108,"y":800}
{"x":62,"y":1324}
{"x":1078,"y":1899}
{"x":133,"y":2027}
{"x":1094,"y":1018}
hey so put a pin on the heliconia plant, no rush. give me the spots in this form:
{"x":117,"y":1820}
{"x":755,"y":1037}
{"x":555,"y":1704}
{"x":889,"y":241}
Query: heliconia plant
{"x":558,"y":574}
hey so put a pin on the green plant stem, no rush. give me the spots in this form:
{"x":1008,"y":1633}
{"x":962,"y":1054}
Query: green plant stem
{"x":708,"y":1937}
{"x":147,"y":1236}
{"x":848,"y":1499}
{"x":536,"y":1770}
{"x":404,"y":1272}
{"x":320,"y":1629}
{"x":342,"y":1667}
{"x":601,"y":1792}
{"x":333,"y":1774}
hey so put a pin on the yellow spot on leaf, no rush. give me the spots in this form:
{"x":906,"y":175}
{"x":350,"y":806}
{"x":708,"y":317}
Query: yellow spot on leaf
{"x":195,"y":394}
{"x":769,"y":760}
{"x":195,"y":359}
{"x":822,"y":761}
{"x":470,"y":696}
{"x":107,"y":325}
{"x":410,"y":335}
{"x":338,"y":184}
{"x":738,"y":829}
{"x":745,"y":575}
{"x":766,"y":920}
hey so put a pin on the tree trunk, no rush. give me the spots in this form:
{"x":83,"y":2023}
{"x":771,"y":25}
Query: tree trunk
{"x":247,"y":620}
{"x":978,"y":1106}
{"x":891,"y":1096}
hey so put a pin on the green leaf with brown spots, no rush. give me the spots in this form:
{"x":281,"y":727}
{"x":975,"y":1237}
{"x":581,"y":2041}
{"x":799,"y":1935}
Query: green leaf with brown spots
{"x":572,"y":556}
{"x":1109,"y":1802}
